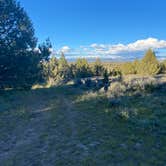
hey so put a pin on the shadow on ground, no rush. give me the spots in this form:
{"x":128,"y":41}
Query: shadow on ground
{"x":71,"y":126}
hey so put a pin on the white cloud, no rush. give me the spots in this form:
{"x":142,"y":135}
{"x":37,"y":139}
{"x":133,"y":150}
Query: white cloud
{"x":65,"y":49}
{"x":116,"y":51}
{"x":98,"y":47}
{"x":139,"y":45}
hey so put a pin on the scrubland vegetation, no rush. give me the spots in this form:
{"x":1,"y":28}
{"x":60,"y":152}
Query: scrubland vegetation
{"x":70,"y":125}
{"x":53,"y":112}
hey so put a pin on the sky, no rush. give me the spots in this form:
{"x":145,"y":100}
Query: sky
{"x":115,"y":29}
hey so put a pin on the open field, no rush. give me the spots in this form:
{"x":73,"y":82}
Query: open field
{"x":67,"y":125}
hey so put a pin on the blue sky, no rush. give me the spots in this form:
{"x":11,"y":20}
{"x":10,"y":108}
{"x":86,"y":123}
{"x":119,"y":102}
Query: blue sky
{"x":98,"y":27}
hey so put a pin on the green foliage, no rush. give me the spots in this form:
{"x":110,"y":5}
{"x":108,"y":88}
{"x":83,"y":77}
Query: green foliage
{"x":50,"y":70}
{"x":136,"y":66}
{"x":64,"y":71}
{"x":82,"y":69}
{"x":56,"y":71}
{"x":150,"y":57}
{"x":16,"y":30}
{"x":19,"y":64}
{"x":128,"y":68}
{"x":149,"y":64}
{"x":117,"y":89}
{"x":45,"y":49}
{"x":105,"y":77}
{"x":115,"y":72}
{"x":106,"y":80}
{"x":97,"y":68}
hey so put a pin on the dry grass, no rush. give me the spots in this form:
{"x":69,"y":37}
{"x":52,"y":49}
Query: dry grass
{"x":71,"y":126}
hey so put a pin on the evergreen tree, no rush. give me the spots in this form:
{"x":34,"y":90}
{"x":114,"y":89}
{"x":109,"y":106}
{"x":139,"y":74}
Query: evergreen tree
{"x":18,"y":61}
{"x":106,"y":80}
{"x":82,"y":68}
{"x":150,"y":57}
{"x":45,"y":50}
{"x":63,"y":68}
{"x":98,"y":68}
{"x":50,"y":70}
{"x":129,"y":68}
{"x":136,"y":65}
{"x":149,"y":64}
{"x":105,"y":77}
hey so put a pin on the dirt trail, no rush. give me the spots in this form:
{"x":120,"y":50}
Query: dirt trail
{"x":70,"y":115}
{"x":51,"y":128}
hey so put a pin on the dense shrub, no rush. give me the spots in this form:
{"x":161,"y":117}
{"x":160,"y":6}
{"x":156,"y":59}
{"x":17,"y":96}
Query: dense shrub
{"x":105,"y":77}
{"x":82,"y":68}
{"x":149,"y":64}
{"x":115,"y":72}
{"x":50,"y":70}
{"x":117,"y":88}
{"x":64,"y":71}
{"x":97,"y":68}
{"x":141,"y":84}
{"x":128,"y":68}
{"x":57,"y":71}
{"x":61,"y":71}
{"x":133,"y":84}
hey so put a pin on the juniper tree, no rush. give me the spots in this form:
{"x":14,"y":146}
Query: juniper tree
{"x":98,"y":68}
{"x":64,"y":72}
{"x":82,"y":68}
{"x":50,"y":70}
{"x":149,"y":64}
{"x":18,"y":61}
{"x":106,"y":80}
{"x":45,"y":50}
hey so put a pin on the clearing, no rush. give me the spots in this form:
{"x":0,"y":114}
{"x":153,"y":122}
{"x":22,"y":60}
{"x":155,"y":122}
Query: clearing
{"x":66,"y":126}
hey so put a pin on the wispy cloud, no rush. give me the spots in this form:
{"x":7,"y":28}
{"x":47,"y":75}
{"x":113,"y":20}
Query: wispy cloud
{"x":116,"y":51}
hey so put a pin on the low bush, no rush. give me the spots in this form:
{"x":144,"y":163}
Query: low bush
{"x":147,"y":84}
{"x":117,"y":88}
